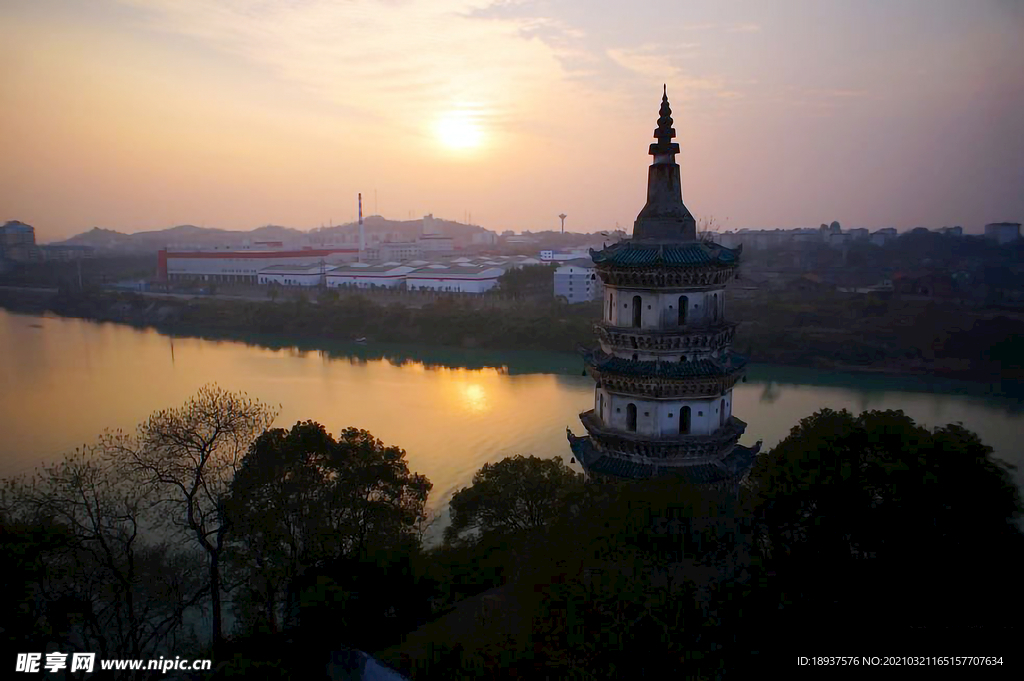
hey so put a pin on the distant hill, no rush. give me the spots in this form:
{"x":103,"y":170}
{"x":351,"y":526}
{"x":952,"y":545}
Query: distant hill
{"x":183,"y":236}
{"x":403,"y":230}
{"x":191,"y":236}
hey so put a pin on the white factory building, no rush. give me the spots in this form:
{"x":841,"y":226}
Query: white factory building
{"x":362,"y":275}
{"x":243,"y":265}
{"x":455,"y":278}
{"x":309,"y":274}
{"x":273,"y":264}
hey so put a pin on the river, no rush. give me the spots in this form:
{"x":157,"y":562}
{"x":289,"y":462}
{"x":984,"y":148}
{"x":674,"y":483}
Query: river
{"x":63,"y":381}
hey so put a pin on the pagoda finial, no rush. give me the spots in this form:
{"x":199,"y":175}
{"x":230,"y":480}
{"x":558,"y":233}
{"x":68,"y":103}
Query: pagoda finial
{"x":664,"y":217}
{"x":664,"y":150}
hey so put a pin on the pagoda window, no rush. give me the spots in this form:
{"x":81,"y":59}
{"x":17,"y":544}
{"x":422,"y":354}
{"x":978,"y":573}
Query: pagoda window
{"x":721,"y":414}
{"x":684,"y":303}
{"x":611,"y":307}
{"x":631,"y":417}
{"x":684,"y":421}
{"x":638,"y":311}
{"x":714,"y":308}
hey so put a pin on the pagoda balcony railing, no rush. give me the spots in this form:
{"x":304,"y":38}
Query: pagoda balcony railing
{"x":634,"y":444}
{"x":655,"y":277}
{"x":680,"y":339}
{"x":665,"y":388}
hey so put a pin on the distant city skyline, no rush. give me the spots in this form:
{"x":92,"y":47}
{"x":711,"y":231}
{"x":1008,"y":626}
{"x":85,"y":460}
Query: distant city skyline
{"x":137,"y":115}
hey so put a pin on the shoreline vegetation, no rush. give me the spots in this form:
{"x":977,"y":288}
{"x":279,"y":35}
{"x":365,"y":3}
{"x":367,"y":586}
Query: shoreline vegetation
{"x":306,"y":547}
{"x":822,"y":331}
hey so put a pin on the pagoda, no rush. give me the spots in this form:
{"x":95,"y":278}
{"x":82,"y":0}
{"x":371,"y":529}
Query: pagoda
{"x":663,"y":364}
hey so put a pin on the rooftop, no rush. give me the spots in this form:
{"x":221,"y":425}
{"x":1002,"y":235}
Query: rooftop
{"x":731,"y":467}
{"x":364,"y":269}
{"x":303,"y":268}
{"x":685,"y":254}
{"x":727,"y":363}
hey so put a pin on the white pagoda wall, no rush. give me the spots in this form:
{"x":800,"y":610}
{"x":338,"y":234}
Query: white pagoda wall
{"x":660,"y":418}
{"x":660,"y":309}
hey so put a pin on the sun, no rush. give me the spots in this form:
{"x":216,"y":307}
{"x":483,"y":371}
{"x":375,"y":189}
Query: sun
{"x":459,"y":131}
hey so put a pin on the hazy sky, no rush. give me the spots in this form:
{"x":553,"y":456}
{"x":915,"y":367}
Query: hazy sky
{"x":142,"y":114}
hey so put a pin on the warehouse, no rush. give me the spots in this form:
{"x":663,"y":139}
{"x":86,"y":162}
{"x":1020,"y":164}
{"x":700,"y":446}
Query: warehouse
{"x":242,"y":265}
{"x":361,"y":275}
{"x":454,"y":278}
{"x":310,"y":274}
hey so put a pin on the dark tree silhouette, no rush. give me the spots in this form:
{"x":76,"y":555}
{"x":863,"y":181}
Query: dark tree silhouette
{"x":517,"y":493}
{"x":188,"y":456}
{"x":303,"y":501}
{"x":84,"y":568}
{"x":894,"y":512}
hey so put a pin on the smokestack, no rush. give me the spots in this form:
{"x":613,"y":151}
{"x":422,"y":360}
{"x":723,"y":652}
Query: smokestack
{"x":362,"y":230}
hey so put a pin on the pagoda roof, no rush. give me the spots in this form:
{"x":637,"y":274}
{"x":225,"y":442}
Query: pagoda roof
{"x":726,"y":363}
{"x":733,"y":465}
{"x":631,"y":253}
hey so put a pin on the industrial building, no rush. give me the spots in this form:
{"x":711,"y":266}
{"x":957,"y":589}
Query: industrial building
{"x":336,"y":267}
{"x":310,"y":274}
{"x":243,"y":265}
{"x":362,"y":275}
{"x":455,"y":278}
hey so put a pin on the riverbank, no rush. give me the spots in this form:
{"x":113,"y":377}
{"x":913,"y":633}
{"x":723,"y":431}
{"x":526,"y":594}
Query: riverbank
{"x":834,"y":333}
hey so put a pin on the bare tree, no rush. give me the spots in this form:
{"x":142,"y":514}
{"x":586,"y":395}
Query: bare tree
{"x":118,"y":593}
{"x":188,"y":457}
{"x":708,"y":228}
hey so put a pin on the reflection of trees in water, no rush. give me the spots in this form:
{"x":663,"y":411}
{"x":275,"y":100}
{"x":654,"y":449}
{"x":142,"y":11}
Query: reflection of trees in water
{"x":869,"y":397}
{"x":770,"y":393}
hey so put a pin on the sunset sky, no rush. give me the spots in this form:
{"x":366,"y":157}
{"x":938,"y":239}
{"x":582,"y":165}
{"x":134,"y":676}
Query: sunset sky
{"x":143,"y":114}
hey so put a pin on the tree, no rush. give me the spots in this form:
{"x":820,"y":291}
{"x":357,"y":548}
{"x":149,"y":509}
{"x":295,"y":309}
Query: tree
{"x":893,"y":510}
{"x":76,"y":534}
{"x":517,"y":493}
{"x":187,"y":457}
{"x":302,"y":502}
{"x":530,"y":280}
{"x":708,"y":229}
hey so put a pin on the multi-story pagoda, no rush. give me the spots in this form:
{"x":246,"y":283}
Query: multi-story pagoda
{"x":663,"y":366}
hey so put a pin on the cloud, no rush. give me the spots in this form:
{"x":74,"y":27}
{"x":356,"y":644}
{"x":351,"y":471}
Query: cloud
{"x":745,"y":28}
{"x":382,"y":60}
{"x":646,"y":60}
{"x":660,"y":63}
{"x":653,"y":60}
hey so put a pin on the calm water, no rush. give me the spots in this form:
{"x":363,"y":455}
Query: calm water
{"x":63,"y":381}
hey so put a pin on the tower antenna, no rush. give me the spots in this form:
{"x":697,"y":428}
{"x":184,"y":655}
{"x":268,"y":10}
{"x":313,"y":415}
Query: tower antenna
{"x":362,"y":230}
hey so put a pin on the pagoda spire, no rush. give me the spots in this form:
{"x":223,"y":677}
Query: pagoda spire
{"x":665,"y":217}
{"x":665,"y":149}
